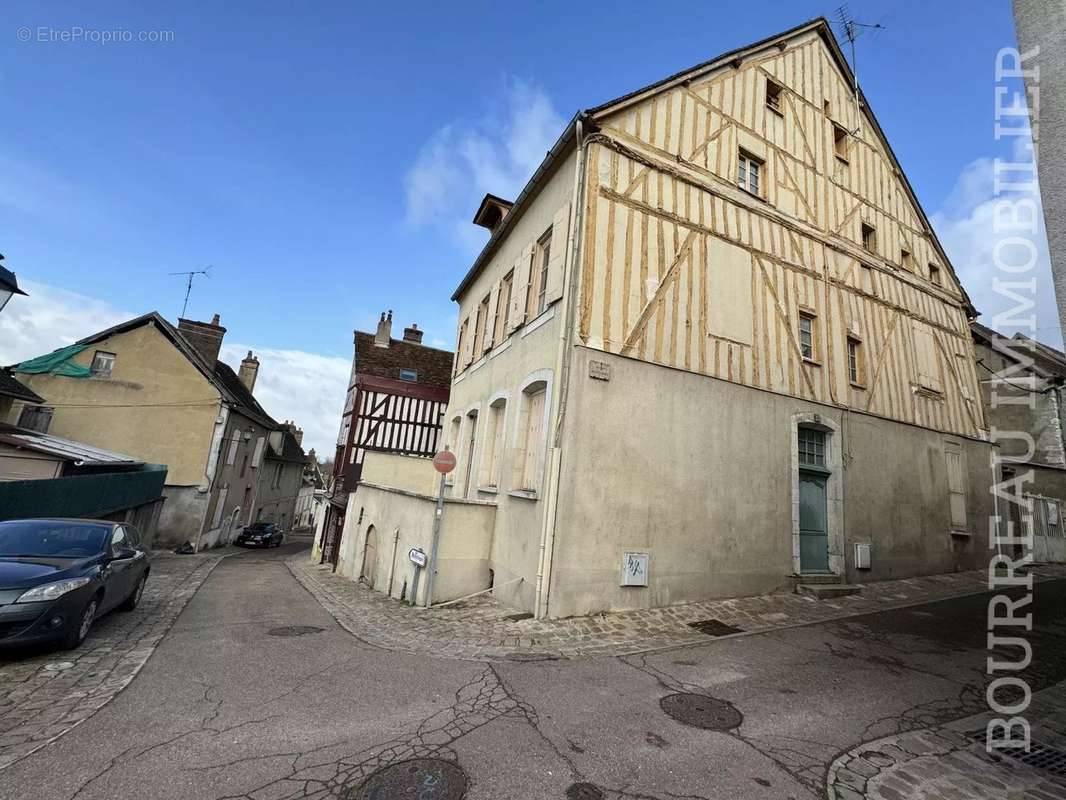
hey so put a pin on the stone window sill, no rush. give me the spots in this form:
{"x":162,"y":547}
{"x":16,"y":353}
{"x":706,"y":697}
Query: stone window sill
{"x":525,"y":494}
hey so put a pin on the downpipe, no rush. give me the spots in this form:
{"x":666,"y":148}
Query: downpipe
{"x":566,"y":337}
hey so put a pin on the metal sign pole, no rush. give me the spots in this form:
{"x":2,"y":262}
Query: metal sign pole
{"x":414,"y":585}
{"x":432,"y":573}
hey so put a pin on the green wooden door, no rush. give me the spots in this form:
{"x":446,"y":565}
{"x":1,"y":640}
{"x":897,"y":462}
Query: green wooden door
{"x":814,"y":534}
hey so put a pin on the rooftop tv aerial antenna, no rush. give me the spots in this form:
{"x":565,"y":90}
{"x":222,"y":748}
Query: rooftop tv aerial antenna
{"x":852,"y":30}
{"x":188,"y":284}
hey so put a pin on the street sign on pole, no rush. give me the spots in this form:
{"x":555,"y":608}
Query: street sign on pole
{"x":417,"y":556}
{"x":444,"y":462}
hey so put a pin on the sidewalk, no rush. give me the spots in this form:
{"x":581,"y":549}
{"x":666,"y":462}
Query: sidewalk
{"x":479,"y":630}
{"x":46,"y":692}
{"x":950,"y":761}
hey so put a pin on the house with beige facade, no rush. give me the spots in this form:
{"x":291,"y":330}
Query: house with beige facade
{"x":161,"y":394}
{"x":713,"y":348}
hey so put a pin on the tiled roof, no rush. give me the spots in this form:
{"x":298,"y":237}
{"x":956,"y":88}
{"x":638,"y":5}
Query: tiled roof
{"x":434,"y":366}
{"x":11,"y":387}
{"x":246,"y":402}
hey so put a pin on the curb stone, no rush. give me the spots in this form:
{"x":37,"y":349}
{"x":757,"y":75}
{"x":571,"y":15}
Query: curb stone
{"x":479,"y":629}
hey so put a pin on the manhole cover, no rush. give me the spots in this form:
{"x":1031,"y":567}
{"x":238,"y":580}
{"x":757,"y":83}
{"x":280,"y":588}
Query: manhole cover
{"x":714,"y":627}
{"x":701,"y":711}
{"x":58,"y":666}
{"x":584,"y":791}
{"x":294,"y":630}
{"x":422,"y":778}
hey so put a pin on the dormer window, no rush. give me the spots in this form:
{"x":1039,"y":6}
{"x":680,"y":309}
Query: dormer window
{"x":773,"y":96}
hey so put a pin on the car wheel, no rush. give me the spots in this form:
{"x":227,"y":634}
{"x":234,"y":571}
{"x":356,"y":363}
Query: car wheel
{"x":131,"y":602}
{"x":76,"y":635}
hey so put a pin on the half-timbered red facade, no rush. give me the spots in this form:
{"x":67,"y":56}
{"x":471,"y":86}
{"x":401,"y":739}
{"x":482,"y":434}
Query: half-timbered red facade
{"x":397,"y":395}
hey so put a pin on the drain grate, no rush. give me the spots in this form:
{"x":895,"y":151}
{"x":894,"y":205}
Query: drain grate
{"x":294,"y":630}
{"x":701,"y":711}
{"x":584,"y":791}
{"x":715,"y":627}
{"x":430,"y":778}
{"x":1040,"y":755}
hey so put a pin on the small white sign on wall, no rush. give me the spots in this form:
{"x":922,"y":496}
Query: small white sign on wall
{"x":634,"y":569}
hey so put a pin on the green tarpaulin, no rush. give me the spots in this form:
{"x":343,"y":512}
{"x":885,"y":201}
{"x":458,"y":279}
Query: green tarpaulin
{"x":58,"y":362}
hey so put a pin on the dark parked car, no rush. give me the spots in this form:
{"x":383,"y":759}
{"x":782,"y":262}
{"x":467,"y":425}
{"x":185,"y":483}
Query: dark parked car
{"x":58,"y":575}
{"x":260,"y":534}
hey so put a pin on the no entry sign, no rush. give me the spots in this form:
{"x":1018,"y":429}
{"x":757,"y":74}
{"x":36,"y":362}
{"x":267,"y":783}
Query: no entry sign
{"x":444,"y":462}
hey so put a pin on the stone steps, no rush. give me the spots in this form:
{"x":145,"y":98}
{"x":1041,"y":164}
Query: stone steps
{"x":825,"y":591}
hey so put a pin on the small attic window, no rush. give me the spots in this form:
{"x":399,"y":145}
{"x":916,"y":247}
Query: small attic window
{"x":773,"y":96}
{"x":409,"y":375}
{"x":840,"y":142}
{"x":906,"y":260}
{"x":869,"y":238}
{"x":826,"y":108}
{"x":934,"y":275}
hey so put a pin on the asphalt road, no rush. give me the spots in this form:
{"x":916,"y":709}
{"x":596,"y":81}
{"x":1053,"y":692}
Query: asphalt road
{"x":225,"y":709}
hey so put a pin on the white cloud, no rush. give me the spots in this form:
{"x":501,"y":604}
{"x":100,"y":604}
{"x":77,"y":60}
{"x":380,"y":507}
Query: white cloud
{"x":50,"y":318}
{"x":965,"y":226}
{"x":305,"y":387}
{"x":466,"y":159}
{"x":292,"y":384}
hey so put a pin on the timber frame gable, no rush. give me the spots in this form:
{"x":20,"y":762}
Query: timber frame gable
{"x":772,"y":240}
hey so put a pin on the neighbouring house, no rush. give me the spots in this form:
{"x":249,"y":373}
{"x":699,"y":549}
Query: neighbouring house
{"x":48,"y":476}
{"x":281,"y":478}
{"x":12,"y":391}
{"x":713,"y":348}
{"x":1023,"y":388}
{"x":161,"y":394}
{"x":311,"y":494}
{"x":396,"y":398}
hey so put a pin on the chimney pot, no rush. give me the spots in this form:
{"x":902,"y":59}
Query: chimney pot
{"x":412,"y":334}
{"x":384,"y":334}
{"x":249,"y":371}
{"x":204,"y":337}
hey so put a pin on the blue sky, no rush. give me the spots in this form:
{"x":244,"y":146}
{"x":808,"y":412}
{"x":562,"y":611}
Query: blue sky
{"x":327,"y":162}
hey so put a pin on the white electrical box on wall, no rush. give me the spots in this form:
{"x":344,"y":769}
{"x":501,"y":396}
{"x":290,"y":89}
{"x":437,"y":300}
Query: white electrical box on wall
{"x":634,"y":569}
{"x":862,"y":555}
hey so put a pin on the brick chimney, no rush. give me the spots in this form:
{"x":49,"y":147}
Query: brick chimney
{"x":204,"y":337}
{"x":249,"y":371}
{"x":412,"y":334}
{"x":297,"y":433}
{"x":384,"y":334}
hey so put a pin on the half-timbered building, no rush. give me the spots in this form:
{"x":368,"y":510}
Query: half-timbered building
{"x":714,"y":348}
{"x":396,"y":398}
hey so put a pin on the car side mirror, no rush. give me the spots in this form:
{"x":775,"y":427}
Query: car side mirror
{"x":122,"y":553}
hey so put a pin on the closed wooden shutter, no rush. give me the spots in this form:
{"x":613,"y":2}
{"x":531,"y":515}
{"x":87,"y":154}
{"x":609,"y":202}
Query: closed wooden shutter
{"x":557,"y":261}
{"x":257,"y":457}
{"x":956,"y":485}
{"x":520,"y":287}
{"x":928,"y":366}
{"x":534,"y":440}
{"x":490,"y":325}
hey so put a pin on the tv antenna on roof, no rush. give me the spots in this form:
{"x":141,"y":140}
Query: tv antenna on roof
{"x":188,"y":285}
{"x":852,"y":30}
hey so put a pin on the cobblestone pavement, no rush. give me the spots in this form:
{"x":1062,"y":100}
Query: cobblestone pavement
{"x":950,"y":761}
{"x":45,"y":693}
{"x":479,"y":629}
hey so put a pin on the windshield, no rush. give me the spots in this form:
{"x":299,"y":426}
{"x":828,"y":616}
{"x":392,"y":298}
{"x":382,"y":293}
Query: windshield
{"x":52,"y":538}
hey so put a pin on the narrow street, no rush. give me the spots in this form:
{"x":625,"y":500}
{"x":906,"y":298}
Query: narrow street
{"x":232,"y":704}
